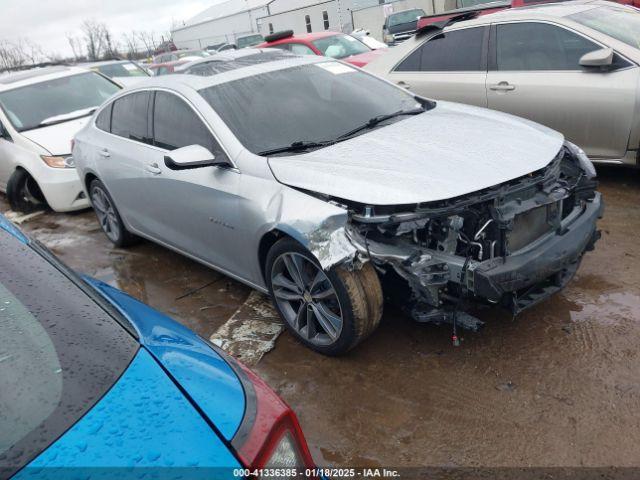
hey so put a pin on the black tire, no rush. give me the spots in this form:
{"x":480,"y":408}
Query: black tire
{"x":358,"y":293}
{"x":111,"y":222}
{"x":24,"y":194}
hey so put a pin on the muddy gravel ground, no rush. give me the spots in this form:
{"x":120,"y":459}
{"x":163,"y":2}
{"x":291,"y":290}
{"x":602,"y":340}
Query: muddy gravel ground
{"x":557,"y":386}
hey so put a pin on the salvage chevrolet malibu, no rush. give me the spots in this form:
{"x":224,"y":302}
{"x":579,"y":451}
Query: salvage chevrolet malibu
{"x":323,"y":185}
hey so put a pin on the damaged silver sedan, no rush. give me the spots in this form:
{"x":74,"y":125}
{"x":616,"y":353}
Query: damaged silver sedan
{"x":326,"y":186}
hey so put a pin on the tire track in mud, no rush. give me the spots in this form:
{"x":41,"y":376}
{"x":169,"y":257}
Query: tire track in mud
{"x":251,"y":331}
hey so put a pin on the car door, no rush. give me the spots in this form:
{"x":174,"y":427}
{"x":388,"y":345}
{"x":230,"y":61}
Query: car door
{"x":195,"y":211}
{"x":449,"y":65}
{"x":534,"y":72}
{"x":121,"y":157}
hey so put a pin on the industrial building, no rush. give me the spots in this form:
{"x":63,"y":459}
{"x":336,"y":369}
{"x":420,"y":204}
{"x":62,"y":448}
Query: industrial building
{"x":225,"y":22}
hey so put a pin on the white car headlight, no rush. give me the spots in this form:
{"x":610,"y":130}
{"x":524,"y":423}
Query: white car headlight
{"x":585,"y":163}
{"x":59,"y":162}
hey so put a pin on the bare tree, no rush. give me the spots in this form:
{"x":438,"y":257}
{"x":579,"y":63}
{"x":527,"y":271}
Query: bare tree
{"x":76,"y":46}
{"x":93,"y":39}
{"x":148,"y":40}
{"x":131,"y":44}
{"x":20,"y":53}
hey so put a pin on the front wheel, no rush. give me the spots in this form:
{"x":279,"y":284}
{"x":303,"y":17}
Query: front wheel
{"x":24,"y":194}
{"x":329,"y":311}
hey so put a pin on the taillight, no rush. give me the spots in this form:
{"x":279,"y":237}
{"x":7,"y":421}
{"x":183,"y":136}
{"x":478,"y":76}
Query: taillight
{"x":270,"y":435}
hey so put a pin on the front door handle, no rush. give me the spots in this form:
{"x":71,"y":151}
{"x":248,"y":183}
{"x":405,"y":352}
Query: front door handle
{"x":153,"y":168}
{"x":502,"y":87}
{"x":105,"y":153}
{"x":404,"y":85}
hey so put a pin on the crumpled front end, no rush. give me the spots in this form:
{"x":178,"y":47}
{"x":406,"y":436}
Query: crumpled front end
{"x":514,"y":244}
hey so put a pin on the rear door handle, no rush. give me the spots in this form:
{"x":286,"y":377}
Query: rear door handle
{"x":105,"y":153}
{"x":153,"y":168}
{"x":404,"y":85}
{"x":502,"y":87}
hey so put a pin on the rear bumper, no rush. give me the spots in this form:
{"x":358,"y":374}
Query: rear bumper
{"x":523,"y":279}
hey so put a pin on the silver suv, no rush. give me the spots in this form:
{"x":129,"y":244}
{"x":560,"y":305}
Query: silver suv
{"x":321,"y":184}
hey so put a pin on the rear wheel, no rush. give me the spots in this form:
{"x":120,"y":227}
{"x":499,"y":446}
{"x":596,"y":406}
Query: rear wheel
{"x":108,"y":216}
{"x":328,"y":311}
{"x":24,"y":194}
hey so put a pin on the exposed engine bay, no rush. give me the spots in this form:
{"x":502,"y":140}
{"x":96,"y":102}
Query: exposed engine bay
{"x":512,"y":245}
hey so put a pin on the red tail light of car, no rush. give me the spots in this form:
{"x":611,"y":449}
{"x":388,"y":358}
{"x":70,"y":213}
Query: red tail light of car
{"x":270,"y":435}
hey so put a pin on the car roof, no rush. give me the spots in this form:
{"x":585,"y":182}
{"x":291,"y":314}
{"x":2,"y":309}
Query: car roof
{"x":236,"y":55}
{"x":307,"y":37}
{"x":105,"y":62}
{"x":9,"y":81}
{"x":243,"y":69}
{"x":541,"y":11}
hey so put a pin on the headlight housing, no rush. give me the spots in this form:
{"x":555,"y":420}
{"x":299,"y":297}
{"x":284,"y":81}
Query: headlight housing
{"x":388,"y":38}
{"x":59,"y":161}
{"x":583,"y":159}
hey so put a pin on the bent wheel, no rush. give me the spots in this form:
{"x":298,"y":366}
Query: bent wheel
{"x":328,"y":311}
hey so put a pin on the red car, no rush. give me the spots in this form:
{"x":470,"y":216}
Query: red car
{"x":328,"y":44}
{"x":484,"y":8}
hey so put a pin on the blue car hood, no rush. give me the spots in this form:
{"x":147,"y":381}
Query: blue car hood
{"x":194,"y":365}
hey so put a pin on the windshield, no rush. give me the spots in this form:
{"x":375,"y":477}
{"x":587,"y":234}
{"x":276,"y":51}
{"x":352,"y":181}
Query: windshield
{"x":620,"y":23}
{"x":34,"y":105}
{"x":340,"y":46}
{"x":250,"y":40}
{"x":405,"y":17}
{"x":119,"y":70}
{"x":306,"y":103}
{"x":193,"y":53}
{"x":60,"y":352}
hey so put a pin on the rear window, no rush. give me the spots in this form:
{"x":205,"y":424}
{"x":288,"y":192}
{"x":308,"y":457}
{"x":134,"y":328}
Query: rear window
{"x":55,"y":101}
{"x":60,"y":352}
{"x":340,"y":46}
{"x":120,"y":70}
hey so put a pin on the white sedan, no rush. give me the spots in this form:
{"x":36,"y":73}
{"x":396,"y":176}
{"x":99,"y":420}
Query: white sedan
{"x":40,"y":112}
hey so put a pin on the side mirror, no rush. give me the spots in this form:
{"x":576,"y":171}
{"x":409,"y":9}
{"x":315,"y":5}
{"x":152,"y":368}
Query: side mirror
{"x":602,"y":59}
{"x":193,"y":156}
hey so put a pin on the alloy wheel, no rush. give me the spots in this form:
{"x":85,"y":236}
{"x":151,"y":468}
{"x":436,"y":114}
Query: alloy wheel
{"x":106,"y":213}
{"x":306,"y":298}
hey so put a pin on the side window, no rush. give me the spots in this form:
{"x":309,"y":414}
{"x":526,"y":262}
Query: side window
{"x":300,"y":49}
{"x":282,"y":46}
{"x":176,"y":125}
{"x":103,"y":122}
{"x":456,"y":51}
{"x":539,"y":46}
{"x":130,"y":117}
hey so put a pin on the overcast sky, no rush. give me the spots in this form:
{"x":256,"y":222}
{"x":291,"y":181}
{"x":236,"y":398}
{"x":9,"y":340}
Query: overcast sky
{"x":46,"y":22}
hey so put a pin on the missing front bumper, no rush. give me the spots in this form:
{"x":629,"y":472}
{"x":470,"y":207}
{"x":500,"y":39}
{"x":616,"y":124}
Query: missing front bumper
{"x":523,"y":279}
